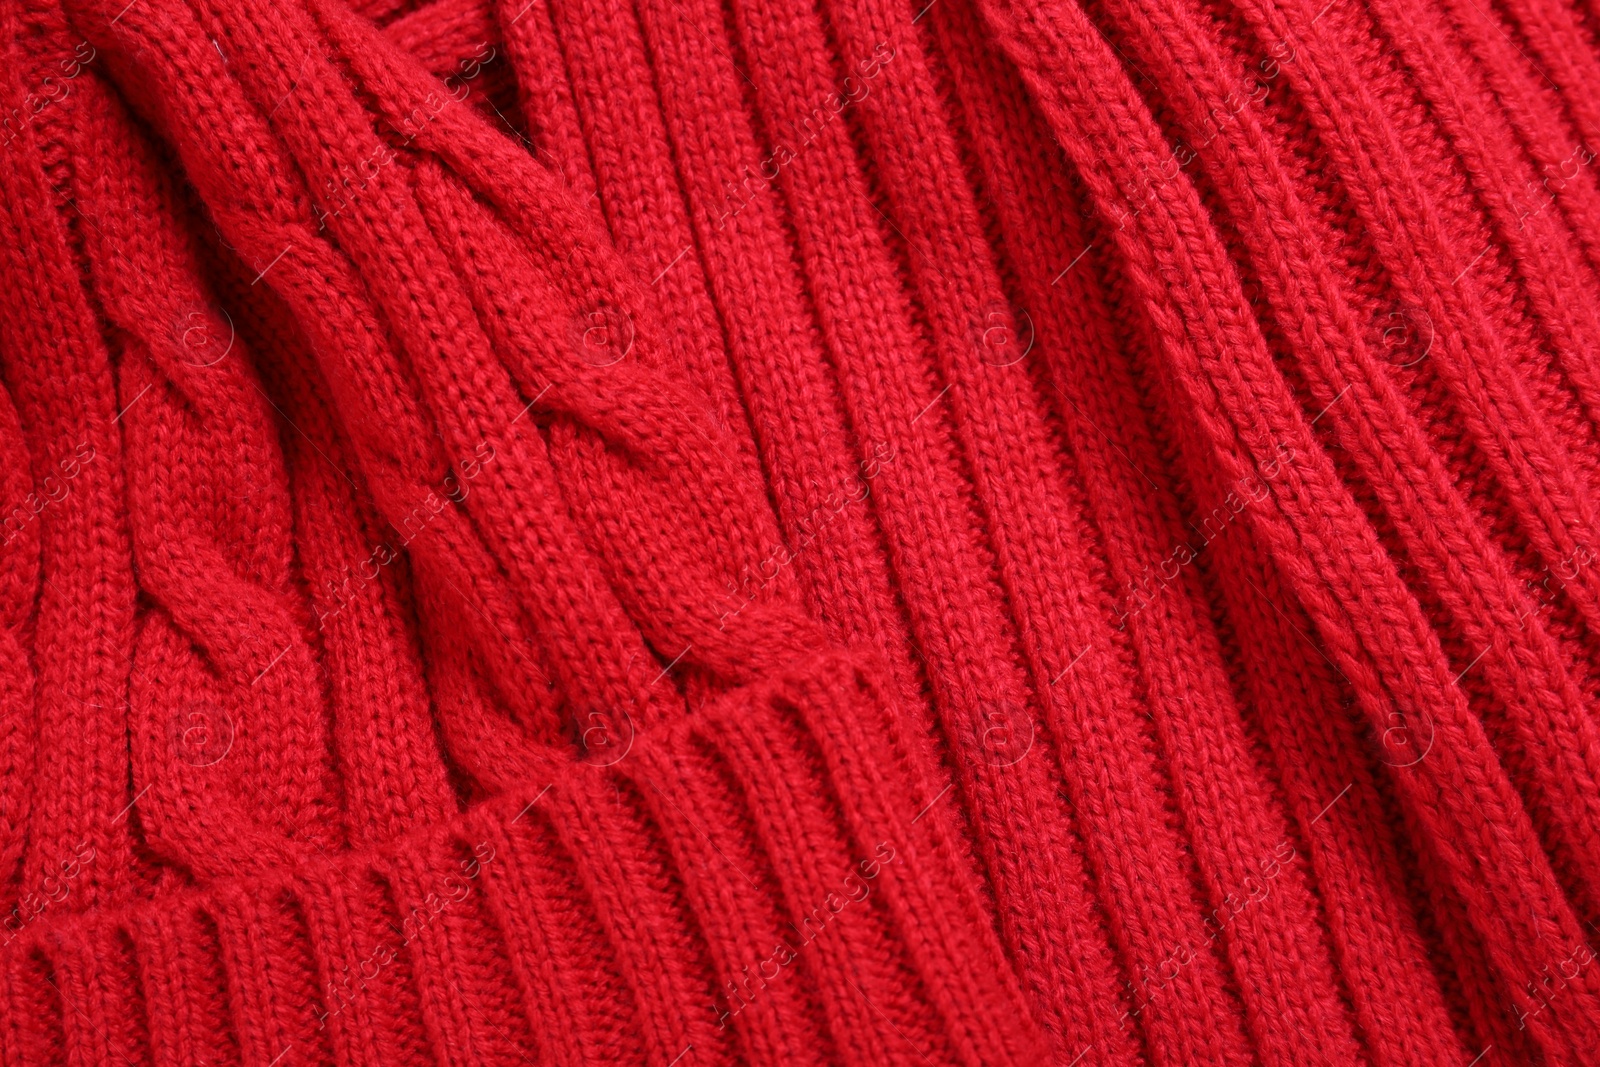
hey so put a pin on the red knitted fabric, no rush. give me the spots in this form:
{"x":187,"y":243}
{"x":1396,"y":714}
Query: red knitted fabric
{"x":982,"y":532}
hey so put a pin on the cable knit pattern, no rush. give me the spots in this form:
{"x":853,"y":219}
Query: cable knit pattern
{"x":984,"y":532}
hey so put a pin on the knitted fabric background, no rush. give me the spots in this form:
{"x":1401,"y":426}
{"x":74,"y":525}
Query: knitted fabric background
{"x":701,"y":532}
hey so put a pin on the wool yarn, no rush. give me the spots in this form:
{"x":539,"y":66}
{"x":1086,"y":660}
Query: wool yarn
{"x":984,"y":532}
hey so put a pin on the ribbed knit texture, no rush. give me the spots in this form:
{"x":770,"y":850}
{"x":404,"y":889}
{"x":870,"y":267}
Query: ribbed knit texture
{"x":982,"y":532}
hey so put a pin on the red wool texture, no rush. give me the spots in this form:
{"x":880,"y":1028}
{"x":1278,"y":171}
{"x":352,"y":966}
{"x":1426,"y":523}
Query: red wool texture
{"x":983,"y":532}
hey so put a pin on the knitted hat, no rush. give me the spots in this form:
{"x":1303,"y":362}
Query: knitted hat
{"x":373,"y":765}
{"x":690,"y":533}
